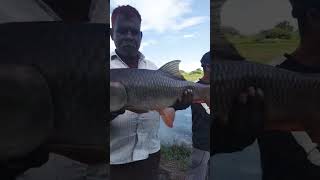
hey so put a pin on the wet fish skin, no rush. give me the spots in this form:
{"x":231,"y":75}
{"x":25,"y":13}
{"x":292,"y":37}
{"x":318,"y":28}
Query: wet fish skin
{"x":292,"y":99}
{"x":153,"y":89}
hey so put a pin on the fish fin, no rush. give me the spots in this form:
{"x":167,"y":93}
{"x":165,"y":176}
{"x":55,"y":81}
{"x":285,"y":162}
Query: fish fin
{"x":167,"y":116}
{"x":172,"y":68}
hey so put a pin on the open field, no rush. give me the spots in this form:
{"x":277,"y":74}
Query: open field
{"x":263,"y":51}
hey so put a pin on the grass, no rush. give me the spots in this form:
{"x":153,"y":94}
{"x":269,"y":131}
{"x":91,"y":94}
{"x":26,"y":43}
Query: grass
{"x":178,"y":154}
{"x":192,"y":76}
{"x":263,"y":51}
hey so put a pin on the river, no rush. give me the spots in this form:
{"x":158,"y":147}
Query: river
{"x":180,"y":134}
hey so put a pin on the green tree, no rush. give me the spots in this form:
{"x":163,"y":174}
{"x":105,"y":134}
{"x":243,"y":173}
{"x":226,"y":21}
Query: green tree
{"x":197,"y":71}
{"x":285,"y":25}
{"x":282,"y":30}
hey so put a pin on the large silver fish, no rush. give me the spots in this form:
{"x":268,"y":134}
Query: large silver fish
{"x":292,"y":99}
{"x":145,"y":90}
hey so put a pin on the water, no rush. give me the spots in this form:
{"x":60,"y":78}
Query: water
{"x":181,"y":133}
{"x":238,"y":165}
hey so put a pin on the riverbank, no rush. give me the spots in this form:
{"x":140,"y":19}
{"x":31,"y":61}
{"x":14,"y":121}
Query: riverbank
{"x":176,"y":144}
{"x":174,"y":162}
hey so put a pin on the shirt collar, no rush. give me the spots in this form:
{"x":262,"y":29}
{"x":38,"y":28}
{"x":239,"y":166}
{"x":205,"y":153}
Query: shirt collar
{"x":115,"y":56}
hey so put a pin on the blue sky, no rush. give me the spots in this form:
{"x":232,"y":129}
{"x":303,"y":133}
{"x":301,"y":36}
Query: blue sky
{"x":172,"y":29}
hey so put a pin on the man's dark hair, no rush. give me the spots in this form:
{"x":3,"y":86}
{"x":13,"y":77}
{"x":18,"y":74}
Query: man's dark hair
{"x":206,"y":59}
{"x":299,"y":9}
{"x":128,"y":11}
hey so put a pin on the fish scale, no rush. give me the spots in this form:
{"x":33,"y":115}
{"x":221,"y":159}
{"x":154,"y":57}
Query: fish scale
{"x":283,"y":89}
{"x":150,"y":89}
{"x":143,"y":90}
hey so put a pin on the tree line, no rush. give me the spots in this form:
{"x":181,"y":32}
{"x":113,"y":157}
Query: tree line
{"x":282,"y":30}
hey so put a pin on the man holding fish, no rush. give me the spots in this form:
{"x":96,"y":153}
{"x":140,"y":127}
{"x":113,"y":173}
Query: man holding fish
{"x":288,"y":160}
{"x":296,"y":156}
{"x":136,"y":87}
{"x":201,"y":121}
{"x":134,"y":138}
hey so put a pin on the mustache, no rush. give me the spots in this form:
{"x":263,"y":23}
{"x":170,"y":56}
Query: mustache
{"x":131,"y":43}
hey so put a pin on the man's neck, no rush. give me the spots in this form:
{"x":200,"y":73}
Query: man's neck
{"x":131,"y":61}
{"x":308,"y":53}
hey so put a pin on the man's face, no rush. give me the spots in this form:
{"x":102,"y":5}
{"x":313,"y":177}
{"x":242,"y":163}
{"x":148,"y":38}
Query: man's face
{"x":126,"y":35}
{"x":208,"y":69}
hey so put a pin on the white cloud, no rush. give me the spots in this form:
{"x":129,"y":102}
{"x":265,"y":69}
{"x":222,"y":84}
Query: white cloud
{"x":188,"y":36}
{"x":164,"y":15}
{"x":190,"y":22}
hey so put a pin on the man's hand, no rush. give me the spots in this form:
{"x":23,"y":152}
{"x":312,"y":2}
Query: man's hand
{"x":185,"y":101}
{"x":244,"y":125}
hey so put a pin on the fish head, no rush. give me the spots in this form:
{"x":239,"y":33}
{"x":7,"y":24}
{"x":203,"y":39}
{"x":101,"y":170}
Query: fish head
{"x":118,"y":96}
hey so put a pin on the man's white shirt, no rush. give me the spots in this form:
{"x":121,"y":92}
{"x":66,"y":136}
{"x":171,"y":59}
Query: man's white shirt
{"x":133,"y":136}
